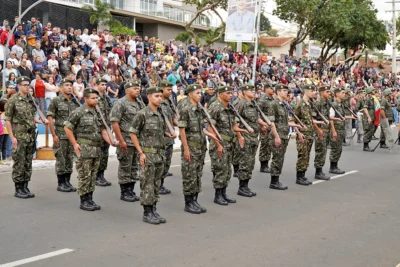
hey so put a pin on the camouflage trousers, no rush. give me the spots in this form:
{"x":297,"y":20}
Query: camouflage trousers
{"x":382,"y":136}
{"x":265,"y":148}
{"x":128,"y":168}
{"x":169,"y":150}
{"x":247,"y":160}
{"x":369,"y":130}
{"x":87,"y":171}
{"x":303,"y":153}
{"x":150,"y":182}
{"x":321,"y":147}
{"x":221,"y":166}
{"x":64,"y":157}
{"x":336,"y":146}
{"x":104,"y":156}
{"x":278,"y":156}
{"x":22,"y":157}
{"x":236,"y":154}
{"x":192,"y":171}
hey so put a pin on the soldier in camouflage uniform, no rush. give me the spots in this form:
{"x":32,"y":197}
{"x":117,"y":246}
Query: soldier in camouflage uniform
{"x":122,"y":114}
{"x":20,"y":122}
{"x":369,"y":117}
{"x":166,"y":108}
{"x":247,"y":154}
{"x":348,"y":123}
{"x":193,"y":149}
{"x":236,"y":149}
{"x":221,"y":152}
{"x":279,"y":139}
{"x":386,"y":113}
{"x":60,"y":109}
{"x":147,"y":133}
{"x":86,"y":133}
{"x":322,"y":140}
{"x":264,"y":154}
{"x":360,"y":111}
{"x":105,"y":105}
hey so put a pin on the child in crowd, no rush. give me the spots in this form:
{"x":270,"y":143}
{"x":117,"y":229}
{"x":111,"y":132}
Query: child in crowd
{"x":3,"y":133}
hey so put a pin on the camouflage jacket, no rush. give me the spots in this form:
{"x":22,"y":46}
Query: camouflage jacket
{"x":60,"y":109}
{"x":183,"y":103}
{"x":278,"y":114}
{"x":105,"y":106}
{"x":387,"y":107}
{"x":265,"y":103}
{"x":339,"y":125}
{"x":223,"y":119}
{"x":323,"y":107}
{"x":21,"y":113}
{"x":149,"y":127}
{"x":248,"y":111}
{"x":123,"y":112}
{"x":169,"y":113}
{"x":370,"y":106}
{"x":360,"y":105}
{"x":305,"y":113}
{"x":87,"y":128}
{"x":346,"y":103}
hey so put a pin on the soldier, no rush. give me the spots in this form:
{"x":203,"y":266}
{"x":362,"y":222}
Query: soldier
{"x":337,"y":130}
{"x":247,"y":154}
{"x":20,"y":122}
{"x":221,"y":152}
{"x":348,"y":123}
{"x":147,"y":134}
{"x":322,"y":140}
{"x":60,"y":109}
{"x":89,"y":131}
{"x":122,"y":114}
{"x":236,"y":149}
{"x":279,"y":139}
{"x":386,"y":113}
{"x":360,"y":109}
{"x":265,"y":148}
{"x":193,"y":149}
{"x":169,"y":143}
{"x":369,"y":116}
{"x":105,"y":106}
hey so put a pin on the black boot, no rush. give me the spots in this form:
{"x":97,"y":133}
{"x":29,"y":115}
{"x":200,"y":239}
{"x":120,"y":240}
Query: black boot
{"x":68,"y":182}
{"x":300,"y":179}
{"x":366,"y":148}
{"x":246,"y":184}
{"x":275,"y":184}
{"x":264,"y":166}
{"x":202,"y":209}
{"x":62,"y":186}
{"x":97,"y":207}
{"x":383,"y":145}
{"x":335,"y":169}
{"x":219,"y":199}
{"x":169,"y":174}
{"x":26,"y":189}
{"x":99,"y":180}
{"x":320,"y":175}
{"x":190,"y":206}
{"x":226,"y":197}
{"x":107,"y":183}
{"x":132,"y":191}
{"x":19,"y":192}
{"x":154,"y":210}
{"x":163,"y":189}
{"x":242,"y":189}
{"x":125,"y":193}
{"x":235,"y":170}
{"x":148,"y":215}
{"x":85,"y":203}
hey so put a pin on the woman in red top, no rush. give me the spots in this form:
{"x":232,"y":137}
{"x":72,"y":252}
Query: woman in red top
{"x":39,"y":90}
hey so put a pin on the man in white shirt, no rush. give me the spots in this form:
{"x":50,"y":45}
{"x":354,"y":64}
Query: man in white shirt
{"x":86,"y":41}
{"x":132,"y":45}
{"x":52,"y":63}
{"x":37,"y":52}
{"x":17,"y":48}
{"x":13,"y":59}
{"x":94,"y":38}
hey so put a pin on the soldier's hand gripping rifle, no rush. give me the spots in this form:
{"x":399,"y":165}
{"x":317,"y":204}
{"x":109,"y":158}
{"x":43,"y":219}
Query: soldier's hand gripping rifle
{"x":208,"y":119}
{"x":245,"y":124}
{"x":291,"y":112}
{"x":109,"y":133}
{"x":40,"y":113}
{"x":264,"y":118}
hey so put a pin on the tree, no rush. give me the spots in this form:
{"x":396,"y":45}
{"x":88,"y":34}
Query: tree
{"x":273,"y":33}
{"x":265,"y":24}
{"x":99,"y":13}
{"x":210,"y":36}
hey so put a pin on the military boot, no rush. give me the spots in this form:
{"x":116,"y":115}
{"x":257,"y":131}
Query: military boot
{"x":383,"y":145}
{"x":125,"y":193}
{"x":99,"y":180}
{"x":107,"y":183}
{"x":19,"y":192}
{"x":335,"y":169}
{"x":235,"y":170}
{"x":246,"y":184}
{"x":226,"y":197}
{"x":68,"y":182}
{"x":320,"y":175}
{"x":366,"y":148}
{"x":163,"y":189}
{"x":154,"y":210}
{"x":131,"y":189}
{"x":264,"y":166}
{"x":242,"y":189}
{"x":275,"y":184}
{"x":305,"y":178}
{"x":219,"y":199}
{"x":195,"y":197}
{"x":300,"y":179}
{"x":190,"y":206}
{"x":148,"y":215}
{"x":85,"y":204}
{"x":62,"y":186}
{"x":26,"y":189}
{"x":97,"y":207}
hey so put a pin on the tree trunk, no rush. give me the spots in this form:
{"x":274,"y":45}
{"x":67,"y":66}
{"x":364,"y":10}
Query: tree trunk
{"x":292,"y":48}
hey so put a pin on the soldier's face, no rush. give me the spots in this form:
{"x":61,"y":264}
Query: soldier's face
{"x":196,"y":95}
{"x":133,"y":92}
{"x":340,"y":95}
{"x":167,"y":92}
{"x":250,"y":93}
{"x":325,"y":94}
{"x":226,"y":96}
{"x":283,"y":93}
{"x":24,"y":87}
{"x":92,"y":100}
{"x":67,"y":88}
{"x":155,"y":99}
{"x":102,"y":87}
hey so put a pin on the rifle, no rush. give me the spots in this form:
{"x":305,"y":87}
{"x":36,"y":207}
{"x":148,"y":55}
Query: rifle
{"x":208,"y":119}
{"x":109,"y":133}
{"x":76,"y":99}
{"x":41,"y":115}
{"x":290,"y":110}
{"x":246,"y":125}
{"x":261,"y":113}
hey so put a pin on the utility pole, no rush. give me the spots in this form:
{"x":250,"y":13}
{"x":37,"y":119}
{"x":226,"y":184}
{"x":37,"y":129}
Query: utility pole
{"x":19,"y":11}
{"x":394,"y":41}
{"x":256,"y":42}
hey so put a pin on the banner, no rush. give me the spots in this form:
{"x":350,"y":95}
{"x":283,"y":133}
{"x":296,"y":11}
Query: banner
{"x":240,"y":25}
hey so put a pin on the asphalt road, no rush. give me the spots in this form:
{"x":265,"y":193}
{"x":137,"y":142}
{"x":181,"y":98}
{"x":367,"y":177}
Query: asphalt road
{"x":350,"y":221}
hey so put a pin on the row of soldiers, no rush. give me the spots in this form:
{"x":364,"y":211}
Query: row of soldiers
{"x":145,"y":137}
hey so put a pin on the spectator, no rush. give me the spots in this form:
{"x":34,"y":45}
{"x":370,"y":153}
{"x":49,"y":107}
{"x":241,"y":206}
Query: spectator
{"x":71,"y":35}
{"x":37,"y":65}
{"x":51,"y":91}
{"x":12,"y":80}
{"x":32,"y":38}
{"x":53,"y":62}
{"x":63,"y":35}
{"x":18,"y":33}
{"x":39,"y":90}
{"x":9,"y":69}
{"x":13,"y":59}
{"x":64,"y":64}
{"x":85,"y":41}
{"x":55,"y":36}
{"x":84,"y":73}
{"x":24,"y":70}
{"x":35,"y":27}
{"x":4,"y":137}
{"x":76,"y":67}
{"x":79,"y":86}
{"x":18,"y":49}
{"x":65,"y":46}
{"x":112,"y":89}
{"x":38,"y":52}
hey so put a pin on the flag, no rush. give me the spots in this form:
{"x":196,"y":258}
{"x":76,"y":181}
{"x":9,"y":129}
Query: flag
{"x":377,"y":107}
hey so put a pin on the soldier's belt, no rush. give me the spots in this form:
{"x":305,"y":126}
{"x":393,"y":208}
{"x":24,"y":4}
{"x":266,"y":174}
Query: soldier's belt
{"x":153,"y":150}
{"x":324,"y":130}
{"x":89,"y":142}
{"x":22,"y":128}
{"x":228,"y":138}
{"x":195,"y":144}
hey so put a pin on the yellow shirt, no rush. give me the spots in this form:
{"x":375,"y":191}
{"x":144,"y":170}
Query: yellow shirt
{"x":3,"y":123}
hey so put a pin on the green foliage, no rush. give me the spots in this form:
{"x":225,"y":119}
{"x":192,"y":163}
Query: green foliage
{"x":211,"y":36}
{"x":273,"y":33}
{"x":265,"y":24}
{"x":99,"y":13}
{"x":185,"y":37}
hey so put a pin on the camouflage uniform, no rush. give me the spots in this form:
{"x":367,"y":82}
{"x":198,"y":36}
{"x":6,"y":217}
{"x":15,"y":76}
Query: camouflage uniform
{"x":321,"y":145}
{"x":336,"y":146}
{"x":265,"y":148}
{"x":236,"y":149}
{"x":386,"y":106}
{"x":168,"y":142}
{"x":369,"y":129}
{"x":105,"y":106}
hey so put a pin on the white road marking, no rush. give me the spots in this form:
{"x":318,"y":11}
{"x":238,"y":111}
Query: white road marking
{"x":333,"y":177}
{"x":37,"y":258}
{"x":173,"y":166}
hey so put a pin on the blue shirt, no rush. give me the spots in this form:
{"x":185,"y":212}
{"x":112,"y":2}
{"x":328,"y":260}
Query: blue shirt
{"x":242,"y":22}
